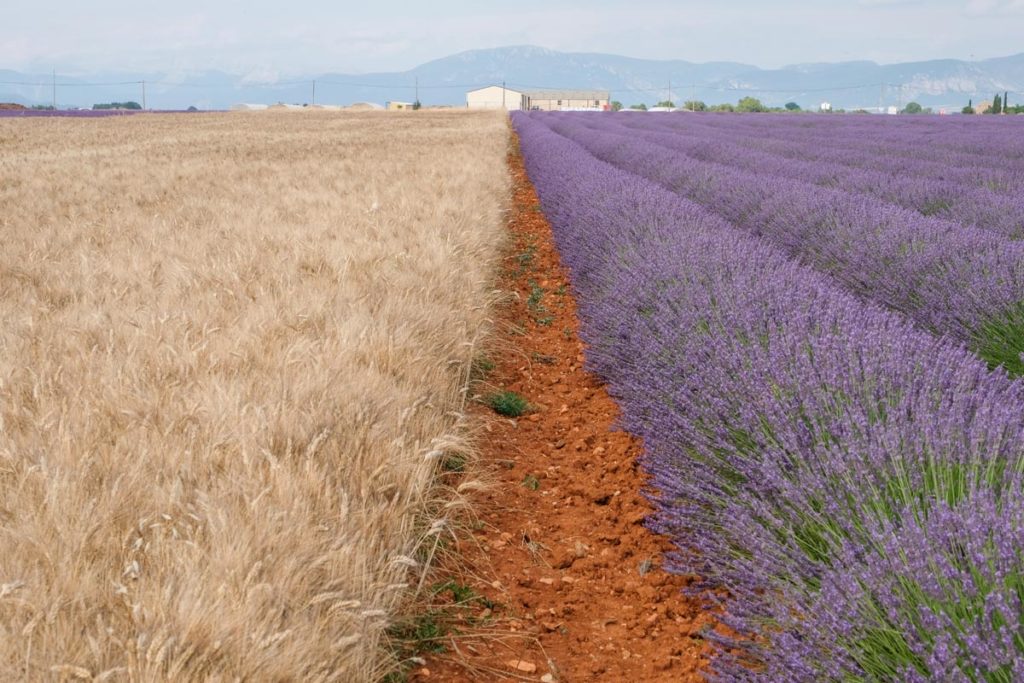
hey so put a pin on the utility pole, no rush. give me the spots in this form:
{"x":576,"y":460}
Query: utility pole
{"x":881,"y":96}
{"x":417,"y":100}
{"x":670,"y":90}
{"x":54,"y":88}
{"x":143,"y":94}
{"x":313,"y":101}
{"x":693,"y":97}
{"x":503,"y":95}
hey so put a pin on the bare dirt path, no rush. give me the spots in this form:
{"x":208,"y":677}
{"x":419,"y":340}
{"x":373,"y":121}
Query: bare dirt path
{"x":565,"y":580}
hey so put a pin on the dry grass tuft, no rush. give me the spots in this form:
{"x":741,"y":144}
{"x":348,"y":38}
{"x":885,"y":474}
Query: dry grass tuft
{"x":232,"y":352}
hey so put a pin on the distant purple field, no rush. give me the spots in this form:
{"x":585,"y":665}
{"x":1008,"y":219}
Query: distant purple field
{"x":82,"y":113}
{"x":809,"y":356}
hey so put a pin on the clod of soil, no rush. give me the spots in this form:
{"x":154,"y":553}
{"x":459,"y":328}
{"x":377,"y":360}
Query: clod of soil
{"x":568,"y":579}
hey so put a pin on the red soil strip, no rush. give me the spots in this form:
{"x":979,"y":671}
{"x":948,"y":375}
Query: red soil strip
{"x":576,"y":577}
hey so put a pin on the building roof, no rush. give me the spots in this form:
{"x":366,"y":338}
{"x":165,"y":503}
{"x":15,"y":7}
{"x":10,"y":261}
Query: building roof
{"x":487,"y":87}
{"x":568,"y":95}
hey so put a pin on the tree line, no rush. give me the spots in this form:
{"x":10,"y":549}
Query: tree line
{"x":1000,"y":105}
{"x":746,"y":104}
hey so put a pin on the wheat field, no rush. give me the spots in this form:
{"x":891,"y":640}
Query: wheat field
{"x":233,"y":349}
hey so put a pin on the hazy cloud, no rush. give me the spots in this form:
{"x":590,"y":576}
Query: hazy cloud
{"x":269,"y":37}
{"x":1000,"y":7}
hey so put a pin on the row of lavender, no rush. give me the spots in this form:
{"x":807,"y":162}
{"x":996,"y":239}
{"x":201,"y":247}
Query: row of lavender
{"x":852,"y":482}
{"x":987,"y":142}
{"x":953,"y":280}
{"x":966,"y":201}
{"x":987,"y":159}
{"x":908,"y":156}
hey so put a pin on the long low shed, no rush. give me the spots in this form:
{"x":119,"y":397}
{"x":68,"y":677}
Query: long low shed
{"x":568,"y":100}
{"x":499,"y":97}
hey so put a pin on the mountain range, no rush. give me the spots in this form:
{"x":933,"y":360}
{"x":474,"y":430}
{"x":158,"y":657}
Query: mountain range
{"x":946,"y":83}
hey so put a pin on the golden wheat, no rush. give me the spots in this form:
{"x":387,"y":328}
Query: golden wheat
{"x":232,"y":349}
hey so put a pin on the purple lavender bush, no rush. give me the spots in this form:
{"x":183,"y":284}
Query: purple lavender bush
{"x":951,"y":279}
{"x":852,"y":482}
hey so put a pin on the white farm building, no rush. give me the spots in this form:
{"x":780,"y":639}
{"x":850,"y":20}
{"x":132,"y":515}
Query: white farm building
{"x":499,"y":97}
{"x":495,"y":97}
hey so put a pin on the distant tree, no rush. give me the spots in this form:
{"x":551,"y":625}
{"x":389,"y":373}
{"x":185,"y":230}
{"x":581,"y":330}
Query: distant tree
{"x":118,"y":105}
{"x":792,"y":106}
{"x":694,"y":105}
{"x":969,"y":109}
{"x":861,"y":111}
{"x":913,"y":108}
{"x":666,"y":103}
{"x":639,"y":107}
{"x":416,"y":105}
{"x":725,"y":106}
{"x":616,"y":105}
{"x":750,"y":104}
{"x":192,"y":108}
{"x":43,"y":107}
{"x":997,"y":105}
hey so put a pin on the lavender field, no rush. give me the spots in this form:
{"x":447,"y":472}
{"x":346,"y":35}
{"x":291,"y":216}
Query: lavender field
{"x":953,"y":277}
{"x":815,"y":325}
{"x":73,"y":113}
{"x":81,"y":113}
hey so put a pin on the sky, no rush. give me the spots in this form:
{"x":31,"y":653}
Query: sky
{"x":270,"y":39}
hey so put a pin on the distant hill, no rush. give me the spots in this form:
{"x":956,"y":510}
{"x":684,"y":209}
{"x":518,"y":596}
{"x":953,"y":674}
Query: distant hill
{"x":937,"y":83}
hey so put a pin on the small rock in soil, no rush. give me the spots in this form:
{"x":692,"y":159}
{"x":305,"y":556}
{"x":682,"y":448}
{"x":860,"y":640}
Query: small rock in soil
{"x":565,"y":560}
{"x":521,"y":665}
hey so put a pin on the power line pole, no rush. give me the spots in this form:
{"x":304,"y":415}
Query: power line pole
{"x":417,"y":90}
{"x":693,"y":97}
{"x":54,"y":88}
{"x":143,"y":94}
{"x":313,"y":101}
{"x":503,"y":95}
{"x":670,"y":89}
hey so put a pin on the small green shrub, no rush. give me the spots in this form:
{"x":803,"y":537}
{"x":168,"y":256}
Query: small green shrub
{"x":508,"y":403}
{"x":525,"y":259}
{"x":454,"y":463}
{"x":480,"y":367}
